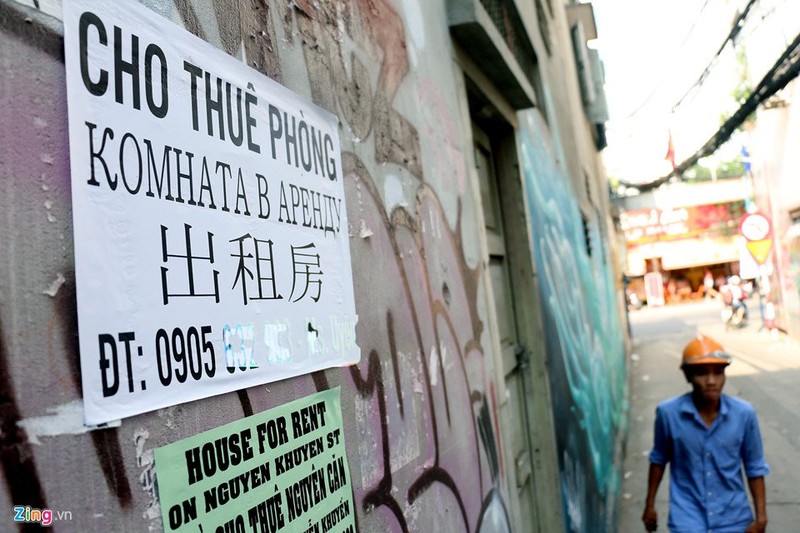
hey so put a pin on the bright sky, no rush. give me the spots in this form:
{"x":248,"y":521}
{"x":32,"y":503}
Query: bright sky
{"x":653,"y":52}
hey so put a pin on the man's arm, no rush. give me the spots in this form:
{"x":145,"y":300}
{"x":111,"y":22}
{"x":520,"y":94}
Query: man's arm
{"x":650,"y":516}
{"x":758,"y":490}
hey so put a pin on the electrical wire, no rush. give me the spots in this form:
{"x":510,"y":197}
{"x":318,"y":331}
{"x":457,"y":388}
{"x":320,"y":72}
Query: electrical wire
{"x":735,"y":29}
{"x":664,"y":79}
{"x":782,"y":72}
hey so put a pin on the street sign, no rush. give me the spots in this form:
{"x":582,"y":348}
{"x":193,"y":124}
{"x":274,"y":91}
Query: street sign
{"x":756,"y":228}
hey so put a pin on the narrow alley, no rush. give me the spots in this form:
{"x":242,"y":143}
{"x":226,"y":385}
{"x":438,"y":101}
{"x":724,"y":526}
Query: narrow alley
{"x":765,"y":371}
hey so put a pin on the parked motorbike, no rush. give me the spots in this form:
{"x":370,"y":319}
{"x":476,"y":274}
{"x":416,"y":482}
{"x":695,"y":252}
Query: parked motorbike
{"x":734,"y":310}
{"x":734,"y":316}
{"x":634,"y":302}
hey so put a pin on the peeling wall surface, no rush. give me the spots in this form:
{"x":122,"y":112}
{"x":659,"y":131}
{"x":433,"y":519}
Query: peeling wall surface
{"x":426,"y":438}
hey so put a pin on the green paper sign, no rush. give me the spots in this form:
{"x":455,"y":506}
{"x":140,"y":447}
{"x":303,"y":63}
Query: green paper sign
{"x":281,"y":470}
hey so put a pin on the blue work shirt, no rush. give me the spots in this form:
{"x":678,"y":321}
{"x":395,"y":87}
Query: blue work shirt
{"x":706,"y":488}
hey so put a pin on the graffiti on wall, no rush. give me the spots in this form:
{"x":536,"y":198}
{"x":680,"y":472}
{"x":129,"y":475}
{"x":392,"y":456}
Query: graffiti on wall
{"x":376,"y":28}
{"x":585,"y":355}
{"x":424,"y":392}
{"x":423,"y":386}
{"x":421,"y":405}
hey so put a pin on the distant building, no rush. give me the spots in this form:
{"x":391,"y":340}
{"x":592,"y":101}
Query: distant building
{"x":683,"y":229}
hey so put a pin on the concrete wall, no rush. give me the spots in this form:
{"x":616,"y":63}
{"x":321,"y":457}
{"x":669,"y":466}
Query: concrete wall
{"x":426,"y":433}
{"x":777,"y":195}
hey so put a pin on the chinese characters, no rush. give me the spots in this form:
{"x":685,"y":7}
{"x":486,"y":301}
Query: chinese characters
{"x":253,"y":262}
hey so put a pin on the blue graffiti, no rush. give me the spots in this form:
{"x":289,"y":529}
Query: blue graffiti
{"x":580,"y":305}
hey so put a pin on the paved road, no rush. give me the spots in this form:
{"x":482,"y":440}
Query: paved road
{"x":765,"y":372}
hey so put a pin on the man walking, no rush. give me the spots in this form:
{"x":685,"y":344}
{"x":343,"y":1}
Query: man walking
{"x":707,"y":437}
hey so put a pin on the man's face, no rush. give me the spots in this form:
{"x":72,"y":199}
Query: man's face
{"x":707,"y":380}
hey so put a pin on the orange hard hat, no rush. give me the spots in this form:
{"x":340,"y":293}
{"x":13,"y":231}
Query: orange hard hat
{"x":704,"y":351}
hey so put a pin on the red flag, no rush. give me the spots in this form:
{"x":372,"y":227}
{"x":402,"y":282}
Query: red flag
{"x":670,"y":152}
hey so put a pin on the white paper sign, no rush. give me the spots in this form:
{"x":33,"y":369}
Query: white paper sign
{"x":211,"y":236}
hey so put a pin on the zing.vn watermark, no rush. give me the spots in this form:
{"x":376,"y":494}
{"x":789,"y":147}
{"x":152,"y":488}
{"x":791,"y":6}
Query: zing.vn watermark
{"x":44,"y":517}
